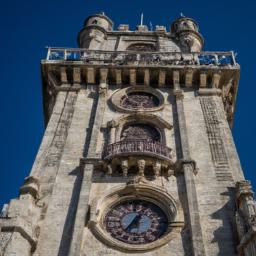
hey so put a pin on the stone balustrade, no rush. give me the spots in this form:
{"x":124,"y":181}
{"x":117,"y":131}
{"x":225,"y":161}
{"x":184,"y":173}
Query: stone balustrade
{"x":147,"y":58}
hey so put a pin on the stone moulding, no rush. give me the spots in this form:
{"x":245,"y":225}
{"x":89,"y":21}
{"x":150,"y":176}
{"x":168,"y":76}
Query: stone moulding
{"x":155,"y":120}
{"x":144,"y":191}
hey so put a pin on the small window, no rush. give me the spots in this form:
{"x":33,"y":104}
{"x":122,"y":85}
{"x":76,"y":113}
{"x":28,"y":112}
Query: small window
{"x":142,"y":47}
{"x":95,"y":22}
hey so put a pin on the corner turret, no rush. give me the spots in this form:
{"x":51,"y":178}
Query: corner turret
{"x":187,"y":32}
{"x":94,"y":33}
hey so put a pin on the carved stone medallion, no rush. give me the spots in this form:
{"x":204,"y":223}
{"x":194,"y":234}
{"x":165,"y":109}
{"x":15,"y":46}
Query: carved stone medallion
{"x":138,"y":99}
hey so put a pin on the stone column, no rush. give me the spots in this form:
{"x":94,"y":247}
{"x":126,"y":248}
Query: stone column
{"x":188,"y":168}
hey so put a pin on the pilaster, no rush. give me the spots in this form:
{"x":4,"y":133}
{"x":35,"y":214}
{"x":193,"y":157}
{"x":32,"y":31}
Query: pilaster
{"x":60,"y":215}
{"x":92,"y":158}
{"x":188,"y":168}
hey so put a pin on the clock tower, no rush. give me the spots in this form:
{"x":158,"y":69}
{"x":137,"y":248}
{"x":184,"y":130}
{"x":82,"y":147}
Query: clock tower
{"x":138,"y":156}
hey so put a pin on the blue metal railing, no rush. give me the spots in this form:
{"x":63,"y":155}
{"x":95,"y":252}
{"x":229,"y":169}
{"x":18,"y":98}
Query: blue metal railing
{"x":151,"y":58}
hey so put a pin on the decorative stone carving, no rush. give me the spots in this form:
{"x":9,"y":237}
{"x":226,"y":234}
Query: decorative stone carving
{"x":103,"y":88}
{"x":170,"y":172}
{"x":216,"y":143}
{"x":246,"y":218}
{"x":157,"y":168}
{"x":140,"y":132}
{"x":138,"y":98}
{"x":141,"y":166}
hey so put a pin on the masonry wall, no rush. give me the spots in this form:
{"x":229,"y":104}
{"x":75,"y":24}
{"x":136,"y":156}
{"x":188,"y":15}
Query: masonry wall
{"x":66,"y":140}
{"x":214,"y":183}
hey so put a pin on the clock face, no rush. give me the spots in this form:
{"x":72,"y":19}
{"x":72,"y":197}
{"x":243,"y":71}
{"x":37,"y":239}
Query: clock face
{"x":136,"y":222}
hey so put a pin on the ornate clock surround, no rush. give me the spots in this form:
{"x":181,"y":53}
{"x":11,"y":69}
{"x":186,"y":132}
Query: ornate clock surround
{"x":136,"y":191}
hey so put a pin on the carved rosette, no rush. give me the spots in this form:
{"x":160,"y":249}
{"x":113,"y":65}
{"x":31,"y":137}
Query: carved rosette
{"x":138,"y":99}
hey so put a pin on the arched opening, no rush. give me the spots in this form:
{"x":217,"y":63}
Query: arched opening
{"x":137,"y":131}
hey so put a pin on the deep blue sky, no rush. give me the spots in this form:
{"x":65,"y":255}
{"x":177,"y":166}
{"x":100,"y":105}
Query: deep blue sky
{"x":26,"y":27}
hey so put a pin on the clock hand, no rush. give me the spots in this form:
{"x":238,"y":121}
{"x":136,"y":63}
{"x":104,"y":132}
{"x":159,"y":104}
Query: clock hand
{"x":134,"y":223}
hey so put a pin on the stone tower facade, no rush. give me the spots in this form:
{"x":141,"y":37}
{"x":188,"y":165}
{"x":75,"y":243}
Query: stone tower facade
{"x":138,"y":156}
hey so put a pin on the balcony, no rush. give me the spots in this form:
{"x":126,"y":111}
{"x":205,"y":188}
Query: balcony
{"x":138,"y":147}
{"x":145,"y":58}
